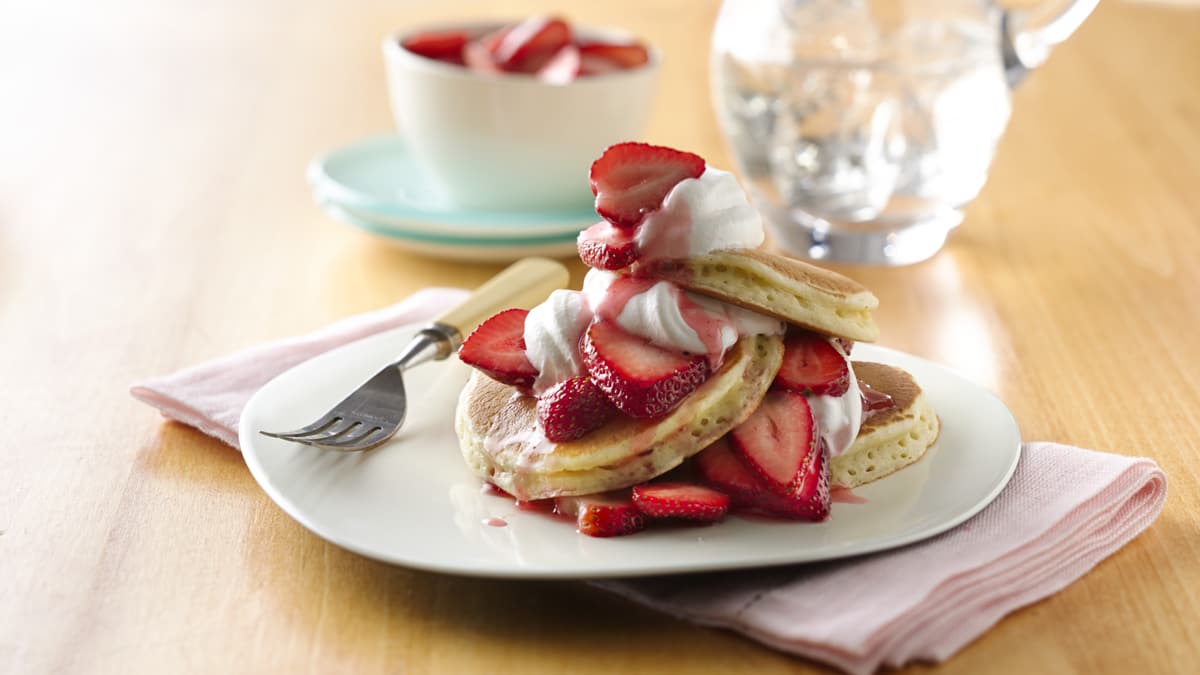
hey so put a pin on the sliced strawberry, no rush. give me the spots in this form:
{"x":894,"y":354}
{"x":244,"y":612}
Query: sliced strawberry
{"x":778,"y":439}
{"x":611,"y":514}
{"x":477,"y":57}
{"x":608,"y":56}
{"x":573,"y":409}
{"x":562,"y":68}
{"x":594,"y":65}
{"x":681,"y":500}
{"x":642,"y":379}
{"x":810,"y":495}
{"x":632,"y":179}
{"x":720,"y":466}
{"x":811,"y":365}
{"x":605,"y":247}
{"x":491,"y":41}
{"x":441,"y":45}
{"x":497,"y":348}
{"x":530,"y":44}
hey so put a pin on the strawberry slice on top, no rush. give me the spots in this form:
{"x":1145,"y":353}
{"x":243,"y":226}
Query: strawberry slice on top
{"x":497,"y":347}
{"x":631,"y":180}
{"x":811,"y":365}
{"x":642,"y":379}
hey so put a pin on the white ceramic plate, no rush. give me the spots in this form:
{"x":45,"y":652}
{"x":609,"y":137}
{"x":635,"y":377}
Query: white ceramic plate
{"x":412,"y":501}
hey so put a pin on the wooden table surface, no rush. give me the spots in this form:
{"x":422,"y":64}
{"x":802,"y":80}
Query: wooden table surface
{"x":154,"y":213}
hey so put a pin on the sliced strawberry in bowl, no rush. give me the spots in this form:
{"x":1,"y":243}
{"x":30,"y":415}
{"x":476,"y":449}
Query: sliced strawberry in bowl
{"x":811,"y":365}
{"x":603,"y":57}
{"x":611,"y":514}
{"x":686,"y":501}
{"x":778,"y":438}
{"x":562,"y":68}
{"x":477,"y":57}
{"x":573,"y":409}
{"x":529,"y":45}
{"x":497,"y":348}
{"x":606,"y":247}
{"x":642,"y":379}
{"x":631,"y":180}
{"x":444,"y":45}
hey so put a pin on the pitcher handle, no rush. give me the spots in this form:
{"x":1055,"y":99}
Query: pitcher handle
{"x":1030,"y":34}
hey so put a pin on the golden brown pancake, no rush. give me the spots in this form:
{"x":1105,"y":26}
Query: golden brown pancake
{"x":889,"y":440}
{"x":501,"y":441}
{"x":792,"y":290}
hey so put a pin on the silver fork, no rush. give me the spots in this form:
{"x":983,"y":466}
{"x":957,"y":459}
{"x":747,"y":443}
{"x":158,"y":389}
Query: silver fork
{"x":374,"y":411}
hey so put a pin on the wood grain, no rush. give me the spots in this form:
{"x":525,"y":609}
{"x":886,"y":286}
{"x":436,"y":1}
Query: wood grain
{"x":153,"y":213}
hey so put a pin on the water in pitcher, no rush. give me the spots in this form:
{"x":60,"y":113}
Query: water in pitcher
{"x":861,"y":116}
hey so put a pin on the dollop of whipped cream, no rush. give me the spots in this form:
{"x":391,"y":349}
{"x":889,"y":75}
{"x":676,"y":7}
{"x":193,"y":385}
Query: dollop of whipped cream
{"x":698,"y":216}
{"x":552,"y":332}
{"x":839,"y":418}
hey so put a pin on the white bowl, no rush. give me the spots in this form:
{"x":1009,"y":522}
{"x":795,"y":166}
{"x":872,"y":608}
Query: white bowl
{"x":511,"y":141}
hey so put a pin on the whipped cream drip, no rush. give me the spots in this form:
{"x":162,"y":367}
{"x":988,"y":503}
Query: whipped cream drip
{"x":698,"y":216}
{"x":672,"y":318}
{"x":839,"y":418}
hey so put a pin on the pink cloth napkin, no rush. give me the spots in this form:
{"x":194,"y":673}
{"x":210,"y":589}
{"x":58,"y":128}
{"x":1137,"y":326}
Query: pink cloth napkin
{"x":210,"y":396}
{"x":1065,"y":510}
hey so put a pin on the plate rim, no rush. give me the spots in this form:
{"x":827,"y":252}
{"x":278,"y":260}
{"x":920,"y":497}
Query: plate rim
{"x":262,"y":477}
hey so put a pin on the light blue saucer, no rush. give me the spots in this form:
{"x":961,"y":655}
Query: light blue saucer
{"x":456,"y":247}
{"x":376,"y":179}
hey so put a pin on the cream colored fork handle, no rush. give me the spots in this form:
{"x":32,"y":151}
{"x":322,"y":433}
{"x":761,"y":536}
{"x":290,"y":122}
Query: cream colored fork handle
{"x":523,"y":284}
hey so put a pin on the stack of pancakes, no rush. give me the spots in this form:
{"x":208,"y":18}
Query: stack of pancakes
{"x":498,"y":429}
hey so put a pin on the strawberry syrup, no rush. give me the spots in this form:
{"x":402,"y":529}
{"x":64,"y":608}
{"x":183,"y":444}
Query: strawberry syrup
{"x":845,"y":496}
{"x":619,"y":293}
{"x":707,"y":325}
{"x":495,"y":522}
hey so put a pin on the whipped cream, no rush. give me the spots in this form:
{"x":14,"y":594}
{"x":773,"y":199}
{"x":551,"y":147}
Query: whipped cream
{"x":838,"y":418}
{"x":659,"y":311}
{"x":552,"y":332}
{"x":698,"y":216}
{"x":672,"y":318}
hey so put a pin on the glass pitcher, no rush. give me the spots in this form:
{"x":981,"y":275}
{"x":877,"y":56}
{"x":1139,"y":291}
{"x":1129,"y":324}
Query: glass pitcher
{"x":863,"y":127}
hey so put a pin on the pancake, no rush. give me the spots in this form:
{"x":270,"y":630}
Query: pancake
{"x":889,"y":440}
{"x":792,"y":290}
{"x":501,"y":442}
